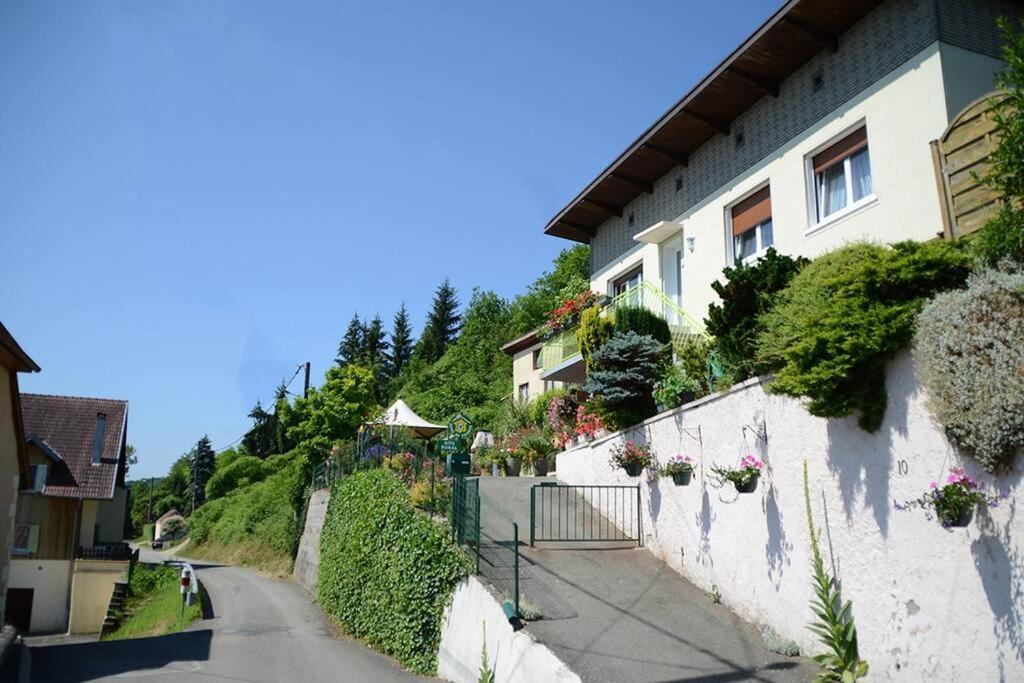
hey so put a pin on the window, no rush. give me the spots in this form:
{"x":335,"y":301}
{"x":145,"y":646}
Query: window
{"x":751,"y":221}
{"x":549,"y":385}
{"x":629,"y":281}
{"x":524,"y":393}
{"x":37,"y":478}
{"x":536,"y":359}
{"x":842,"y":176}
{"x":26,"y":539}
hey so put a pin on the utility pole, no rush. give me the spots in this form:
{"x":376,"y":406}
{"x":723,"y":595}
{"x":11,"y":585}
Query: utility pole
{"x":305,"y":391}
{"x":195,"y":462}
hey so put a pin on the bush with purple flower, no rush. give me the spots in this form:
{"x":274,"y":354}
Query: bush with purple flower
{"x":953,"y":503}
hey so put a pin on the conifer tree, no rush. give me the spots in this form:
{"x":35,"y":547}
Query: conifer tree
{"x":203,"y":460}
{"x":350,"y":350}
{"x":442,"y":326}
{"x":375,"y":345}
{"x":401,"y":343}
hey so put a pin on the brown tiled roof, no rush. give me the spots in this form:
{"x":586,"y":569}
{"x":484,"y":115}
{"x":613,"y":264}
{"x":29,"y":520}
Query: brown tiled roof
{"x":167,"y":515}
{"x":67,"y":424}
{"x":12,"y":355}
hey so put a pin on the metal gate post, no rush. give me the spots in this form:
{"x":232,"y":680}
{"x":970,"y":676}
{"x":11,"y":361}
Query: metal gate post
{"x":515,"y":547}
{"x":533,"y":512}
{"x":639,"y":520}
{"x":477,"y":529}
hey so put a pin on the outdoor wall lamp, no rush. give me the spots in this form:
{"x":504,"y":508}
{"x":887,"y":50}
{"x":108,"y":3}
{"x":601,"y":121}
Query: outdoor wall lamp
{"x":690,"y":239}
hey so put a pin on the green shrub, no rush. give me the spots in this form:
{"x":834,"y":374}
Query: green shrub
{"x":695,"y":363}
{"x":643,"y":322}
{"x":832,"y":330}
{"x":538,"y":407}
{"x":242,"y":471}
{"x":970,"y":359}
{"x":674,"y":389}
{"x":593,"y":332}
{"x":266,"y":513}
{"x":386,"y":571}
{"x":746,"y":293}
{"x":623,"y":374}
{"x":1002,"y":237}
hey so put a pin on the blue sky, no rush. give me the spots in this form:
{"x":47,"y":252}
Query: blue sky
{"x":196,"y":196}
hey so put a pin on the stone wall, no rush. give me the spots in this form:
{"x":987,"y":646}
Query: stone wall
{"x":307,"y":559}
{"x":929,"y":603}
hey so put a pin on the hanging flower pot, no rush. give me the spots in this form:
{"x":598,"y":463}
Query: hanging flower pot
{"x":953,"y":503}
{"x":682,"y":478}
{"x":631,"y":457}
{"x":748,"y":486}
{"x":744,"y":477}
{"x":963,"y":519}
{"x":680,"y":468}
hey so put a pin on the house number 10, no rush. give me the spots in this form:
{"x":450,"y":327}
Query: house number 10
{"x":903,"y":467}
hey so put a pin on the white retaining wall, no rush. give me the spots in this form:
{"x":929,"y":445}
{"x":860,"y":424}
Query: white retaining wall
{"x":929,"y":604}
{"x":513,"y":655}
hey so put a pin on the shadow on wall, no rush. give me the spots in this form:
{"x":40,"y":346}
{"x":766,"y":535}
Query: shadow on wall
{"x":1001,"y":569}
{"x":704,"y":520}
{"x":852,"y":451}
{"x":777,"y":548}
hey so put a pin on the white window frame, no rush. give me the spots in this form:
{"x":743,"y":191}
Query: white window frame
{"x":730,"y":239}
{"x":814,"y":223}
{"x":39,"y":473}
{"x":613,"y":282}
{"x":522,"y":396}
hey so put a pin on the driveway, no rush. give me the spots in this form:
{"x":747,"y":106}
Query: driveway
{"x":261,"y":630}
{"x":615,"y":612}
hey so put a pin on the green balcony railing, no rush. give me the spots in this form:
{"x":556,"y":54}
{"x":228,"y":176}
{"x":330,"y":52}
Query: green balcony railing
{"x":565,"y":345}
{"x":559,"y":348}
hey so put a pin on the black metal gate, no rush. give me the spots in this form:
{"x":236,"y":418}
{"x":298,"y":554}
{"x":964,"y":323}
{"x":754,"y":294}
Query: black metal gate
{"x":466,"y":515}
{"x":585,"y":513}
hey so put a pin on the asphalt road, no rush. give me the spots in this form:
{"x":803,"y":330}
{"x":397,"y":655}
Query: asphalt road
{"x":261,"y":630}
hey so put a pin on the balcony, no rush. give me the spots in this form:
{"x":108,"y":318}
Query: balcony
{"x":560,"y":357}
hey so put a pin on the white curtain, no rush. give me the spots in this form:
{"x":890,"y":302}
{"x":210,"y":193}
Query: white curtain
{"x":833,"y":189}
{"x":860,"y":168}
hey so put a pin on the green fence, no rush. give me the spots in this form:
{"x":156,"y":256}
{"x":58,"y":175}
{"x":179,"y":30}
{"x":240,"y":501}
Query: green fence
{"x":564,"y":514}
{"x":466,"y":516}
{"x":411,"y":460}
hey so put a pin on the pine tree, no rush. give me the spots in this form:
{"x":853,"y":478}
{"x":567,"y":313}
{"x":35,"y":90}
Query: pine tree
{"x":442,"y":326}
{"x":282,"y":444}
{"x":375,"y":345}
{"x":401,"y":344}
{"x":203,"y":461}
{"x":260,"y":440}
{"x":350,"y":350}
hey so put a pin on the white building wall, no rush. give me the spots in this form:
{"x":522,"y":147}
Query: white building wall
{"x":50,"y":581}
{"x":523,"y":372}
{"x":929,"y":604}
{"x":903,"y":112}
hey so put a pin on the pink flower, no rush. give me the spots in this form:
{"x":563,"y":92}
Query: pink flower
{"x":934,"y":485}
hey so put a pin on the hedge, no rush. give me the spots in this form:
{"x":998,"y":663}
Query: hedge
{"x":387,"y":572}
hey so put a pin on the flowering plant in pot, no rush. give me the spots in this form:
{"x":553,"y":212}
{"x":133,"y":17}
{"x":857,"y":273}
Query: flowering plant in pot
{"x":953,"y":503}
{"x":680,"y":468}
{"x":588,"y":423}
{"x":562,"y":411}
{"x":633,"y":458}
{"x":744,"y":477}
{"x":567,"y":314}
{"x":537,"y":448}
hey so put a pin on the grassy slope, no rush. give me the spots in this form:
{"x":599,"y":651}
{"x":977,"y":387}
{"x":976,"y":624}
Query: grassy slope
{"x":155,"y":607}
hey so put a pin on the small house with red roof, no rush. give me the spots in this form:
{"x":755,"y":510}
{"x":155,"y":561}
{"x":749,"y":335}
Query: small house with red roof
{"x":68,"y":545}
